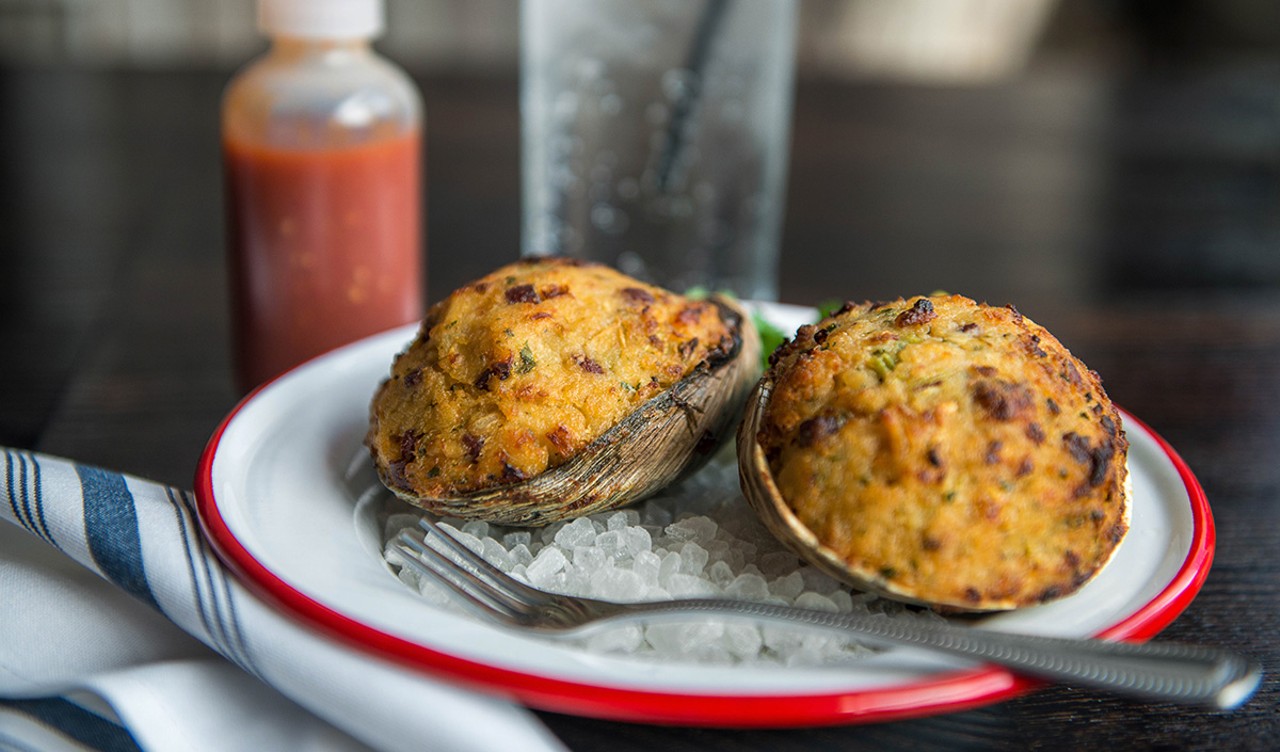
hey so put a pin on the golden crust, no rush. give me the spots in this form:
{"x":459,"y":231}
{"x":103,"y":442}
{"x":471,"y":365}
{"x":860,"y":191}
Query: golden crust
{"x":516,"y":372}
{"x":953,"y":453}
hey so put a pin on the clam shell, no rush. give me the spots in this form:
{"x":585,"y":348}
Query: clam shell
{"x":666,"y":438}
{"x":764,"y":497}
{"x":766,"y":501}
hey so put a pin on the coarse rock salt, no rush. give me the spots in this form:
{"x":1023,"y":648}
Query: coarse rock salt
{"x":697,"y":539}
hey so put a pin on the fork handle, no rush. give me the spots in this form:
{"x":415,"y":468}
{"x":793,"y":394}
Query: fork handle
{"x":1155,"y":671}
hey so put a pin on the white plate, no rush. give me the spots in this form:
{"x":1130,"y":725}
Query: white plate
{"x":274,"y":500}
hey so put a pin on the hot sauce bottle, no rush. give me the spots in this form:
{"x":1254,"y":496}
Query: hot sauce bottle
{"x":322,"y":142}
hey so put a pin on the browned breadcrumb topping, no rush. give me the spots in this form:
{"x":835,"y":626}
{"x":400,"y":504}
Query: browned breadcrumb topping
{"x":952,"y":450}
{"x":516,"y":372}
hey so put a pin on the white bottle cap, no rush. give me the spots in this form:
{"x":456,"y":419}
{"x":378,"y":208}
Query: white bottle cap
{"x":321,"y":19}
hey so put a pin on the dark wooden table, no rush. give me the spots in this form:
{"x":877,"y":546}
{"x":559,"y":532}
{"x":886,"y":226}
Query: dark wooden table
{"x":1136,"y":215}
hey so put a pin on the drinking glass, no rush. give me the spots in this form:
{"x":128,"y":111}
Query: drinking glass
{"x":655,"y":137}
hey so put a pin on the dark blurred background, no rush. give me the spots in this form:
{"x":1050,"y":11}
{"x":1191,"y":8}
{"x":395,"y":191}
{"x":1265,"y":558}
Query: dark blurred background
{"x":1050,"y":154}
{"x":1112,"y":167}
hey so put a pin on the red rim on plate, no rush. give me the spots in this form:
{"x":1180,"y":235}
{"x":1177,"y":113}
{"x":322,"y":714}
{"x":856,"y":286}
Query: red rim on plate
{"x":946,"y":692}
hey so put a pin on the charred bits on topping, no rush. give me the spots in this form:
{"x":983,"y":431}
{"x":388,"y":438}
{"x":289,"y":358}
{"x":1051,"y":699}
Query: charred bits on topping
{"x":587,"y":364}
{"x":690,"y":315}
{"x":1002,"y":400}
{"x":687,"y":347}
{"x":921,"y":312}
{"x":409,"y":445}
{"x":501,"y":369}
{"x":522,"y":294}
{"x":512,"y":474}
{"x":1098,"y":458}
{"x":473,"y":445}
{"x":815,"y":429}
{"x":637,"y":295}
{"x":934,"y":458}
{"x":560,"y":439}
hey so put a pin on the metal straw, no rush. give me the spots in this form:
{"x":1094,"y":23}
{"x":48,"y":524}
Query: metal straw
{"x":696,"y":63}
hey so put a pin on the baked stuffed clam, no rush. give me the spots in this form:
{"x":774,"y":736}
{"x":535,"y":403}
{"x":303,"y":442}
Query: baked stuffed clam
{"x":554,"y":388}
{"x":940,"y":452}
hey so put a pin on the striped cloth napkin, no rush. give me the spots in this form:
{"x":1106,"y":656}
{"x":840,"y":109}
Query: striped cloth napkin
{"x":120,"y":630}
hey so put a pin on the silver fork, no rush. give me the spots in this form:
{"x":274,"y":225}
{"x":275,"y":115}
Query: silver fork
{"x":1154,"y":671}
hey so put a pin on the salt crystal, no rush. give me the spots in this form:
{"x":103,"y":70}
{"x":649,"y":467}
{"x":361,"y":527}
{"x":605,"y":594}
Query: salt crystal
{"x":682,"y":638}
{"x":713,"y":653}
{"x":720,"y":573}
{"x":577,"y":581}
{"x":670,"y":565}
{"x":748,"y":586}
{"x":511,"y":540}
{"x":787,"y":587}
{"x":617,"y":584}
{"x":611,"y":543}
{"x":682,"y":585}
{"x":811,"y":649}
{"x":616,"y":521}
{"x":647,"y":565}
{"x":589,"y":557}
{"x":700,"y":528}
{"x":743,"y":640}
{"x":678,"y":531}
{"x":466,"y":539}
{"x":625,"y":639}
{"x":636,"y":540}
{"x":580,"y":532}
{"x":780,"y":640}
{"x":843,"y":601}
{"x":495,"y":554}
{"x":408,"y":577}
{"x":397,"y":522}
{"x":692,"y":558}
{"x":520,"y":554}
{"x":719,"y":550}
{"x":815,"y":601}
{"x":802,"y":656}
{"x":549,"y":562}
{"x":478,"y":528}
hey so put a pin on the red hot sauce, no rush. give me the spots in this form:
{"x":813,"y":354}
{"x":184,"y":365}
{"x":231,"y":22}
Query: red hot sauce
{"x":325,"y":247}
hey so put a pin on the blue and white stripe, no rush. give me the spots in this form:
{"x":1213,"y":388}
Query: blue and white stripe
{"x":124,"y":529}
{"x":118,"y":531}
{"x":48,"y":722}
{"x":25,"y":492}
{"x":146,"y":539}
